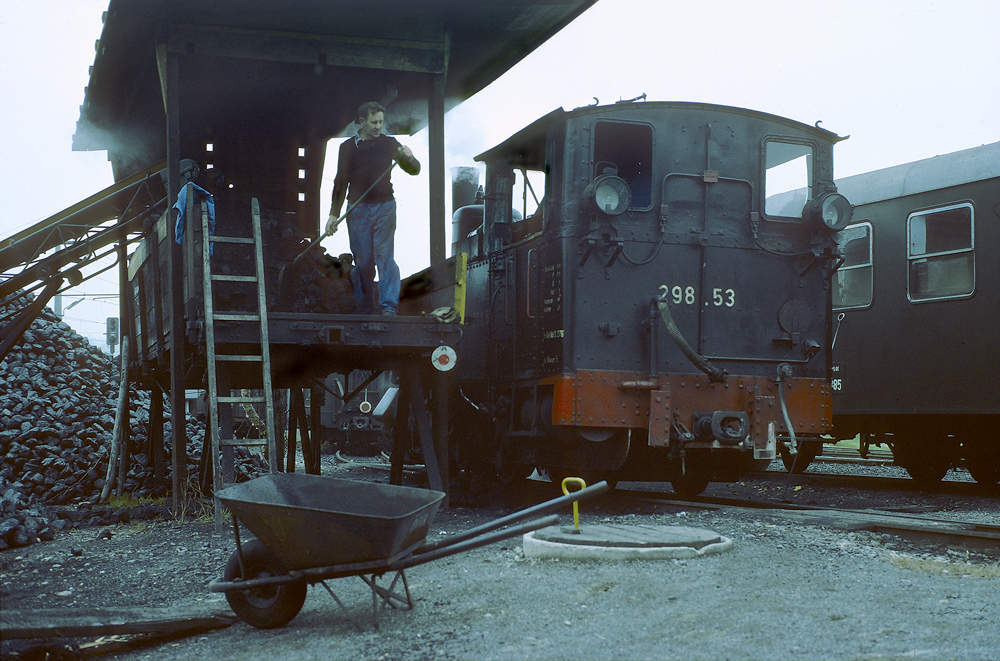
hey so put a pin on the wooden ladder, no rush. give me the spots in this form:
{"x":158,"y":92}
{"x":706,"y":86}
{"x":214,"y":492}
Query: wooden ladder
{"x":222,"y":455}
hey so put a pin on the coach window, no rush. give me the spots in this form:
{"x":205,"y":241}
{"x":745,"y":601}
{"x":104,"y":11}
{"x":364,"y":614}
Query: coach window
{"x":787,"y":178}
{"x":940,"y":253}
{"x":629,"y":149}
{"x":853,"y":285}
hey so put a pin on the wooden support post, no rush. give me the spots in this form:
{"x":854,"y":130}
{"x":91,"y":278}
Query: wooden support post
{"x":298,"y":412}
{"x":281,"y":427}
{"x":316,"y":438}
{"x":116,"y":435}
{"x":168,"y":64}
{"x":440,"y":398}
{"x":152,"y":240}
{"x":412,"y":381}
{"x":294,"y":401}
{"x":435,"y":176}
{"x":399,"y":428}
{"x":127,"y":326}
{"x":156,"y":447}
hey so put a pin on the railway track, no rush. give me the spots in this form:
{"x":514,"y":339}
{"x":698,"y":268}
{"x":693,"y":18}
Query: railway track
{"x":833,"y":454}
{"x":953,"y":483}
{"x":913,"y":521}
{"x":912,"y":526}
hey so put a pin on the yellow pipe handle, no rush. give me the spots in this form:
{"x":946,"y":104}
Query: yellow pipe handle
{"x":576,"y":505}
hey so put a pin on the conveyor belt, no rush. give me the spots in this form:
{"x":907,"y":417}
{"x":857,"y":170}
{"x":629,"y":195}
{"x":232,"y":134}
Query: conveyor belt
{"x":84,"y":229}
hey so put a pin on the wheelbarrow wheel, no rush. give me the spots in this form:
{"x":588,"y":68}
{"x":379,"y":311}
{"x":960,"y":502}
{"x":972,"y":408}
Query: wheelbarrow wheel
{"x":269,"y":606}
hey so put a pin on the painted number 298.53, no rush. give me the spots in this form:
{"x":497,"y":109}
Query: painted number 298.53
{"x":688,"y":295}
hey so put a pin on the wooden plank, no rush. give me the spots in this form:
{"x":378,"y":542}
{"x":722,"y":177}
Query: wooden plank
{"x":441,"y":285}
{"x":71,"y":622}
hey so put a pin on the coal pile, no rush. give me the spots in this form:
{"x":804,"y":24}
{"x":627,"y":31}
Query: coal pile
{"x":317,"y":283}
{"x":58,"y":400}
{"x":298,"y":278}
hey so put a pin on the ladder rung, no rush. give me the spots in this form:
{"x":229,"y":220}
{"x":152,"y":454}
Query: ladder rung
{"x":230,"y":239}
{"x":235,"y":278}
{"x":232,"y":357}
{"x":242,"y":400}
{"x":223,"y":316}
{"x":231,"y":442}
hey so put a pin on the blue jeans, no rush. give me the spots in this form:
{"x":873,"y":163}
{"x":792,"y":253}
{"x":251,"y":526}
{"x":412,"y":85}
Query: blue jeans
{"x":371,"y":227}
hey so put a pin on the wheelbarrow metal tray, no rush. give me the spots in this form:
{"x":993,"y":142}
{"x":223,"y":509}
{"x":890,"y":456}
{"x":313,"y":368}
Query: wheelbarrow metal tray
{"x":314,"y":521}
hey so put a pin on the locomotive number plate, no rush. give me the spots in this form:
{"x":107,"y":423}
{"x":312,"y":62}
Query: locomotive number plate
{"x":837,"y":380}
{"x":688,"y":295}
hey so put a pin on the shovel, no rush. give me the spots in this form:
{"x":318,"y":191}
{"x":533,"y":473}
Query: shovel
{"x":331,"y":227}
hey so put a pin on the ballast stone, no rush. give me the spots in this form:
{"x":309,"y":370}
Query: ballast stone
{"x":623,"y":542}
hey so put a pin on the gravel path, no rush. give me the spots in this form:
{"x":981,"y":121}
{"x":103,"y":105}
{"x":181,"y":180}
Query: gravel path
{"x":784,"y":591}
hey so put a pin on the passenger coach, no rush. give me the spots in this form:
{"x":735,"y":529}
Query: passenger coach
{"x":917,"y":302}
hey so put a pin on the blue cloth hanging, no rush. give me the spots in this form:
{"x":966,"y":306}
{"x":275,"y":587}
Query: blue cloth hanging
{"x":181,"y":206}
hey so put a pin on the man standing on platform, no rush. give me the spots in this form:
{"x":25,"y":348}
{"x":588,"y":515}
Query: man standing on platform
{"x":363,"y":179}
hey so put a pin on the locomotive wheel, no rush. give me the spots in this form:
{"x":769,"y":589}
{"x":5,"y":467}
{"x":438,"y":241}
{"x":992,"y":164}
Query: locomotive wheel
{"x":692,"y":483}
{"x":926,"y":472}
{"x":927,"y":459}
{"x":985,"y":473}
{"x":798,"y":463}
{"x":983,"y":464}
{"x":270,"y":606}
{"x":689,"y":485}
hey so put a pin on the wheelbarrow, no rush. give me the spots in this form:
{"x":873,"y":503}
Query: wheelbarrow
{"x":311,"y":528}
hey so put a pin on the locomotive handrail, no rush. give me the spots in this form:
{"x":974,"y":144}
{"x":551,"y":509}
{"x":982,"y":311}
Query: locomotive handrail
{"x":714,"y":373}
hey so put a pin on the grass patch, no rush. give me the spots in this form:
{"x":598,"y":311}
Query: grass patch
{"x":128,"y":502}
{"x":854,"y":443}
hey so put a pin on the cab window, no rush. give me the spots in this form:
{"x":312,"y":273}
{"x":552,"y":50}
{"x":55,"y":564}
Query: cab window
{"x":940,"y":253}
{"x":853,"y":283}
{"x":787,"y":178}
{"x":628,"y":149}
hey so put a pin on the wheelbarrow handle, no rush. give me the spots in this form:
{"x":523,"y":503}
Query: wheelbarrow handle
{"x":541,"y":508}
{"x":453,"y":547}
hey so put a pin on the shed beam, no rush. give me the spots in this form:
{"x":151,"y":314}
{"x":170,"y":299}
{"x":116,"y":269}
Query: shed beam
{"x":391,"y":54}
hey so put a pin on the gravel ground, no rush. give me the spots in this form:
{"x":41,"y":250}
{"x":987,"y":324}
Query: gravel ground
{"x":783,"y":592}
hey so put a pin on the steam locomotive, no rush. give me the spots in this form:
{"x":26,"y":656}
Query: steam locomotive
{"x":648,"y":295}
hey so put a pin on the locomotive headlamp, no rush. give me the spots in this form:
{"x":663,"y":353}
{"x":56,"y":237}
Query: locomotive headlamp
{"x":831,"y":210}
{"x":609,"y":193}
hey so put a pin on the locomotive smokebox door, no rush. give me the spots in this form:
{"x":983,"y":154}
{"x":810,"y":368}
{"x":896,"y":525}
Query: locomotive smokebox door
{"x":794,"y":317}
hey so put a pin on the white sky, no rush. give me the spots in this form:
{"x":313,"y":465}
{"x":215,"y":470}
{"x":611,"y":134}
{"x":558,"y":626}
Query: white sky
{"x":906,"y":79}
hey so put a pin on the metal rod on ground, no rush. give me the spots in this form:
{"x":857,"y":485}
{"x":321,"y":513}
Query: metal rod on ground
{"x":541,"y":508}
{"x":118,"y":428}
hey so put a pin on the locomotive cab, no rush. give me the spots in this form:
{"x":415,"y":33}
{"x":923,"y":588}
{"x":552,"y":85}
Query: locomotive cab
{"x":663,"y":313}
